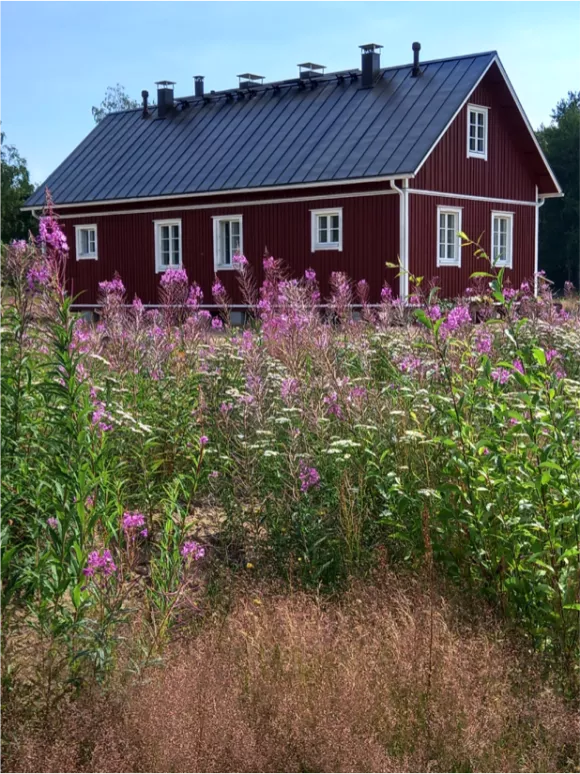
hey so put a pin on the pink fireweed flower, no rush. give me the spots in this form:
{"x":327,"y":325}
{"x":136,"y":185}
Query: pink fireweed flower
{"x":552,"y":354}
{"x":310,"y":275}
{"x":90,"y":501}
{"x":457,"y":317}
{"x":204,"y":440}
{"x":409,"y":364}
{"x":309,"y":477}
{"x":513,"y":421}
{"x":500,"y":375}
{"x":509,"y":293}
{"x":217,"y":324}
{"x":100,"y":564}
{"x":112,"y":286}
{"x":240,"y":260}
{"x":132,"y":521}
{"x":20,"y":245}
{"x":434,"y":312}
{"x":518,"y":365}
{"x":225,"y":408}
{"x":51,"y":235}
{"x":483,"y":344}
{"x":173,"y":277}
{"x":214,"y":474}
{"x":37,"y":277}
{"x":52,"y":522}
{"x":331,"y":401}
{"x":386,"y":294}
{"x":485,"y":451}
{"x":289,"y":387}
{"x":192,"y":550}
{"x":269,"y":263}
{"x":217,"y":288}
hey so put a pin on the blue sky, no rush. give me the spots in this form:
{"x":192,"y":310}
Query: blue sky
{"x":59,"y":57}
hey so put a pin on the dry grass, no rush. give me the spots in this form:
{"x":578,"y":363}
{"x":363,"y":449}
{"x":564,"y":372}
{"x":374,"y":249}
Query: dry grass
{"x":286,"y":683}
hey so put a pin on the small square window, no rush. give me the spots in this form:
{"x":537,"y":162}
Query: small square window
{"x":86,"y":243}
{"x":228,"y":240}
{"x":448,"y":239}
{"x":167,"y":245}
{"x":477,"y":131}
{"x":326,"y":229}
{"x":502,"y":238}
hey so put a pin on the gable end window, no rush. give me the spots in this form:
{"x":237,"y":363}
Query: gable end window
{"x":228,"y":241}
{"x":167,"y":244}
{"x":502,"y":227}
{"x":448,"y":239}
{"x":477,"y":131}
{"x":326,"y":228}
{"x":86,"y":243}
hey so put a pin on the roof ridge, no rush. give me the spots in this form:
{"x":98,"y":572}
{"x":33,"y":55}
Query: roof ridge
{"x":322,"y":80}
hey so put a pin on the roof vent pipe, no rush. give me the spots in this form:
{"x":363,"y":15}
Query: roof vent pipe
{"x":164,"y":98}
{"x":370,"y":64}
{"x":198,"y":85}
{"x":416,"y":68}
{"x":145,"y":95}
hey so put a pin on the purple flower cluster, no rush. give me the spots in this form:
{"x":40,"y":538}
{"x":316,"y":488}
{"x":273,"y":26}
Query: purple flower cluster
{"x":269,"y":263}
{"x":409,"y":364}
{"x":310,"y":275}
{"x":457,"y":317}
{"x":20,"y":245}
{"x":500,"y":375}
{"x":112,"y":286}
{"x":133,"y":521}
{"x":483,"y":343}
{"x":100,"y":414}
{"x":37,"y":276}
{"x":309,"y":477}
{"x":434,"y":312}
{"x":289,"y":387}
{"x":173,"y":277}
{"x":192,"y":550}
{"x":331,"y":401}
{"x":100,"y":564}
{"x":51,"y":235}
{"x":217,"y":323}
{"x":52,"y":522}
{"x":518,"y":365}
{"x":239,"y":260}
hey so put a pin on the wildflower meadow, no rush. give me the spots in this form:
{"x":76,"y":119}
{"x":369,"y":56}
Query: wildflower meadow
{"x":155,"y":458}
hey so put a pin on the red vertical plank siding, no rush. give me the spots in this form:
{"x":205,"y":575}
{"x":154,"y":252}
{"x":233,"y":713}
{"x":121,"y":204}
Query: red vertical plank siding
{"x":476,"y":221}
{"x":507,"y":173}
{"x":126,"y":244}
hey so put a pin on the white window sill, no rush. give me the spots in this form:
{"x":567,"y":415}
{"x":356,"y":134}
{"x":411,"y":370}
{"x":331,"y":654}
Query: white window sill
{"x":474,"y":155}
{"x":225,"y":267}
{"x":163,"y":269}
{"x":332,"y":246}
{"x":87,"y":257}
{"x":441,"y":263}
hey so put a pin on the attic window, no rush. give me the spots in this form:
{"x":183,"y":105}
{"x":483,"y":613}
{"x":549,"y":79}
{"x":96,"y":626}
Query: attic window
{"x":167,"y":245}
{"x":326,"y":227}
{"x":227,"y":241}
{"x":477,"y":131}
{"x":86,"y":242}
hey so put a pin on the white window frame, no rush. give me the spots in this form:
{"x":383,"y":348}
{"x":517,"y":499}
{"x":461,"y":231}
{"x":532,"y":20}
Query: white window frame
{"x":315,"y":245}
{"x":78,"y":241}
{"x":218,"y":264}
{"x":508,"y":260}
{"x":160,"y":267}
{"x":457,"y":212}
{"x":478,"y":110}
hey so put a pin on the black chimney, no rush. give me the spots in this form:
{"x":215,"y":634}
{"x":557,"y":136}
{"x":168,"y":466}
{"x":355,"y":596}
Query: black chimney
{"x":416,"y":68}
{"x":198,"y":81}
{"x":164,"y":98}
{"x":370,"y":64}
{"x":145,"y":95}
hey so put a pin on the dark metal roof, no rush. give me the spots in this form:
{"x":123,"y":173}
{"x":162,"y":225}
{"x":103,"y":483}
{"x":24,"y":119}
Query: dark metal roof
{"x":327,"y":129}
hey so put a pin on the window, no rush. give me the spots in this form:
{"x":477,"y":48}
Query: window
{"x":502,"y":238}
{"x":167,"y":244}
{"x":477,"y":131}
{"x":228,"y":240}
{"x":86,"y":240}
{"x":326,"y":229}
{"x":448,"y":239}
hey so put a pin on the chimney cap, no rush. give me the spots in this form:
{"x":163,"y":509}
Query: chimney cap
{"x":416,"y":46}
{"x":250,"y":77}
{"x":164,"y":84}
{"x":369,"y":47}
{"x":312,"y":66}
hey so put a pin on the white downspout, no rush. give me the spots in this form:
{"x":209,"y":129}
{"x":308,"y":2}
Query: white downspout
{"x":539,"y":203}
{"x":403,"y":238}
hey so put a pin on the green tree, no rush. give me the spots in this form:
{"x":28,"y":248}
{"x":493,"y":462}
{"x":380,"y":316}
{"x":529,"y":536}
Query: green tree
{"x":559,"y":246}
{"x":16,"y":188}
{"x":116,"y":98}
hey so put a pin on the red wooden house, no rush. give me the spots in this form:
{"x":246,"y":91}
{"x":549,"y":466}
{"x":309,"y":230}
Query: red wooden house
{"x":340,"y":171}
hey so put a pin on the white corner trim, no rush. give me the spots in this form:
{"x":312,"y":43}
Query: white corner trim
{"x":403,"y":238}
{"x":539,"y":203}
{"x":458,"y":212}
{"x":478,"y":109}
{"x":82,"y":227}
{"x":315,"y":245}
{"x":508,"y":262}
